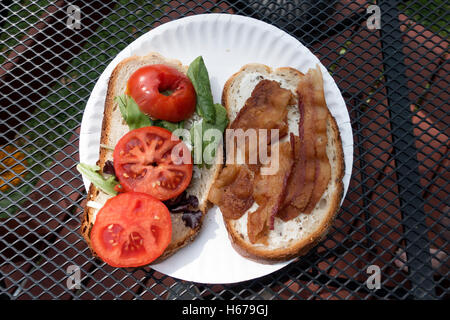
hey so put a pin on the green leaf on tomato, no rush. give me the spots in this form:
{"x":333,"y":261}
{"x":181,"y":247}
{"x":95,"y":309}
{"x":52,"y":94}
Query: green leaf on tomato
{"x":136,"y":119}
{"x":91,"y":172}
{"x":131,"y":113}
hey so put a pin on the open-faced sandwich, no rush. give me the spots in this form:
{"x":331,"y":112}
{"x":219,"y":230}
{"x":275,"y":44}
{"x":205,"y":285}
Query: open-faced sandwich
{"x":148,"y":193}
{"x":278,"y":192}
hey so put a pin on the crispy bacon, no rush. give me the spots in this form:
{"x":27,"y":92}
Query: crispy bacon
{"x":305,"y":168}
{"x":311,"y":173}
{"x":233,"y":191}
{"x":297,"y":177}
{"x":269,"y":193}
{"x":296,"y":181}
{"x":265,"y":109}
{"x":322,"y":163}
{"x":288,"y":212}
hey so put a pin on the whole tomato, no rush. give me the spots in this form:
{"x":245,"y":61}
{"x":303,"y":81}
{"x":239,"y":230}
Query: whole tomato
{"x":162,"y":92}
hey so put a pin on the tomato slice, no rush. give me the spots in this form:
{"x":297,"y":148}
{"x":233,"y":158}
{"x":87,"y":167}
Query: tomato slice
{"x":131,"y":230}
{"x":162,"y":92}
{"x":152,"y":160}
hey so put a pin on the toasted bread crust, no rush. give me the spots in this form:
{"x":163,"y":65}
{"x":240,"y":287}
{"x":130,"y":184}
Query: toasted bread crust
{"x":260,"y":253}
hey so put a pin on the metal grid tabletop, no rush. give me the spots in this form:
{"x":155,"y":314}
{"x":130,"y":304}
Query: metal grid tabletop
{"x":395,"y":83}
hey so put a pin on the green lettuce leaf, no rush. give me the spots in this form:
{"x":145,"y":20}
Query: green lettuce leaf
{"x":131,"y":113}
{"x":171,"y":126}
{"x":92,"y":174}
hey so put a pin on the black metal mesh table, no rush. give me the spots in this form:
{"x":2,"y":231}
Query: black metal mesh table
{"x":395,"y":82}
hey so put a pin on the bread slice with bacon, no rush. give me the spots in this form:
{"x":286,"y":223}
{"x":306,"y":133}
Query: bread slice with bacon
{"x":287,"y":213}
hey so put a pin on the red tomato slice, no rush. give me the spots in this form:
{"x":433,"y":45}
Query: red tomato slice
{"x":146,"y":85}
{"x":152,"y":160}
{"x":131,"y":230}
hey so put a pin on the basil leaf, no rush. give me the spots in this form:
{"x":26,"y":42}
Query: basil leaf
{"x":198,"y":134}
{"x":198,"y":74}
{"x":91,"y":173}
{"x":131,"y":113}
{"x":221,"y":121}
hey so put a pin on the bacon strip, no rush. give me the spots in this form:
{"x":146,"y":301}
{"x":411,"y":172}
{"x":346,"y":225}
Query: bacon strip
{"x":265,"y":109}
{"x":312,"y":172}
{"x":297,"y":177}
{"x":323,"y":167}
{"x":306,"y":153}
{"x":269,"y":193}
{"x":233,"y":191}
{"x":288,"y":212}
{"x":306,"y":133}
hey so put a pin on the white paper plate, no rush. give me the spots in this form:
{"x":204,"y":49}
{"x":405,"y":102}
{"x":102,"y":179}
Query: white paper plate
{"x":226,"y":43}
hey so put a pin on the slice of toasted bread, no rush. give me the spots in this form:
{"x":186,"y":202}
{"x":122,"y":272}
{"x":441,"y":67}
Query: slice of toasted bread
{"x":297,"y":236}
{"x":114,"y":127}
